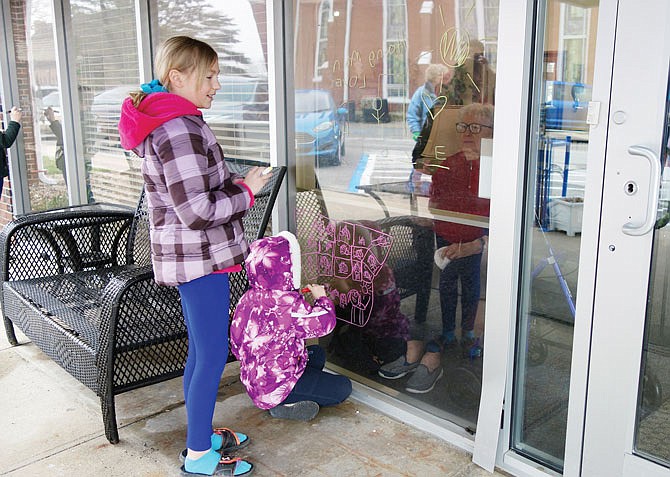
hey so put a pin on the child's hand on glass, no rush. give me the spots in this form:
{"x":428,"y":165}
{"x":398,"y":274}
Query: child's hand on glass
{"x":317,"y":290}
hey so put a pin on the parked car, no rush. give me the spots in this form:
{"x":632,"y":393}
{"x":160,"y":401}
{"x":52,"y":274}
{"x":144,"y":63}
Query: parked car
{"x":319,"y":126}
{"x":52,"y":100}
{"x":238,"y":94}
{"x":43,"y":90}
{"x":239,"y":117}
{"x":566,"y":105}
{"x":239,"y":108}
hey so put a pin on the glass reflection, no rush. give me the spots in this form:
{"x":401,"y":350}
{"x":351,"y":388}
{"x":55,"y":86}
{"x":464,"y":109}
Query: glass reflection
{"x":380,"y":87}
{"x":49,"y":189}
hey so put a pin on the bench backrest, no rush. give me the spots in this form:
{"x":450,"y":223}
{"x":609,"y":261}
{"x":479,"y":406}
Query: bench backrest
{"x":257,"y":218}
{"x":255,"y":221}
{"x":139,"y":246}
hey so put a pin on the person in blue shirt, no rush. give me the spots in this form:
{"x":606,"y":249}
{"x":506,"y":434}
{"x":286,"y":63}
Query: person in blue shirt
{"x":437,"y":76}
{"x":424,"y":97}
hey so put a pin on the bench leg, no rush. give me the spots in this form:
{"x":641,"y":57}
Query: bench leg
{"x":109,"y":418}
{"x":9,"y":330}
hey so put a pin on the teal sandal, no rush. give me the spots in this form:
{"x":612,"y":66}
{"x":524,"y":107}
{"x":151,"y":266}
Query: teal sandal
{"x":213,"y":464}
{"x":225,"y":441}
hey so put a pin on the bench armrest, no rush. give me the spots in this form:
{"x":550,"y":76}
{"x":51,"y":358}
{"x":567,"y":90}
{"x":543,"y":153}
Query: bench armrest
{"x":136,"y":314}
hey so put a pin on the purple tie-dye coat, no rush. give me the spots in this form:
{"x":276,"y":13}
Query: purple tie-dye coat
{"x":273,"y":320}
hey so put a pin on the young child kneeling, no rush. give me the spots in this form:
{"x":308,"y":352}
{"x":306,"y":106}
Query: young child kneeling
{"x":269,"y":329}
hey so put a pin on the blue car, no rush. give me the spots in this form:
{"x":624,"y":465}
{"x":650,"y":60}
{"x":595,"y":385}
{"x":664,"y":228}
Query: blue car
{"x":319,"y":126}
{"x":566,"y":105}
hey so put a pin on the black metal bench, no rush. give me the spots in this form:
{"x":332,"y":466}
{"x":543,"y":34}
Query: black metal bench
{"x":78,"y":282}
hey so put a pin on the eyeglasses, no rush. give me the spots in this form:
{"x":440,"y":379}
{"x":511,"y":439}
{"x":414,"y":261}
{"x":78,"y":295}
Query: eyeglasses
{"x":475,"y":128}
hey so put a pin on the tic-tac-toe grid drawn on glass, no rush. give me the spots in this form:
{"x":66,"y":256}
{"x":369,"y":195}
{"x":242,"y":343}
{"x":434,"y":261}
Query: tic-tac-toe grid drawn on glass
{"x":346,"y":252}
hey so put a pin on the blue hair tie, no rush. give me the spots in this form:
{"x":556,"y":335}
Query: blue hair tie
{"x":154,"y":86}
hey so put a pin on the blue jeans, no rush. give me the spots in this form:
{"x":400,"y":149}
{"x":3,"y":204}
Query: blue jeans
{"x":205,"y":303}
{"x":316,"y":385}
{"x":467,"y":270}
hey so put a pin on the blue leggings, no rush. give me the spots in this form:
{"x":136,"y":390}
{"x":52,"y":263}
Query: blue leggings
{"x":315,"y":384}
{"x":205,"y":302}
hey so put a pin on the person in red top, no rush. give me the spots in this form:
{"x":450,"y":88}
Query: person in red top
{"x":454,"y":188}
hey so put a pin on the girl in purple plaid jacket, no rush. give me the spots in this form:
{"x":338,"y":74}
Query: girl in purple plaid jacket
{"x":195,"y":210}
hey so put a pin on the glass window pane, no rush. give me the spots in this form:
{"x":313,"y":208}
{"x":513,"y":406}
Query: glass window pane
{"x":104,"y":48}
{"x":551,"y":239}
{"x":47,"y":188}
{"x":237,"y":31}
{"x":653,"y":412}
{"x":375,"y":201}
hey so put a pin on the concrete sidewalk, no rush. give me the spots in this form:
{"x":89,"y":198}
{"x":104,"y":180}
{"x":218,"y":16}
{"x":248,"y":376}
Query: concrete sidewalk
{"x":50,"y":425}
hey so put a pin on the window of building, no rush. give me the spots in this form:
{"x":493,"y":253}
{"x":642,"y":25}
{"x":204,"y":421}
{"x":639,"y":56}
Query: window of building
{"x":396,"y":50}
{"x":239,"y":115}
{"x":321,"y":50}
{"x":47,"y":188}
{"x":103,"y":47}
{"x":479,"y":19}
{"x":574,"y":28}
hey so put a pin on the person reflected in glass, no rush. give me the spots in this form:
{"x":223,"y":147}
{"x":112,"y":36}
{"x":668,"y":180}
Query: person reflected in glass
{"x":424,"y":97}
{"x":383,"y":337}
{"x":7,"y":138}
{"x":473,"y":80}
{"x":454,"y":188}
{"x":57,"y":130}
{"x":88,"y":124}
{"x":437,"y":77}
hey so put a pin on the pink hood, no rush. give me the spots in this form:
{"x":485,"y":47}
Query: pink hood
{"x":154,"y":110}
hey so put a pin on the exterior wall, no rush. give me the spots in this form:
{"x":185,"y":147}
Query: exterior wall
{"x":260,"y":15}
{"x":22,"y":74}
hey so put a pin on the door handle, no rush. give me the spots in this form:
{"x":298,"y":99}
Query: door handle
{"x":652,"y":201}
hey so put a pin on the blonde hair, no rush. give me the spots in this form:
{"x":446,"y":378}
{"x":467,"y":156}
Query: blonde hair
{"x":434,"y":73}
{"x":184,"y":54}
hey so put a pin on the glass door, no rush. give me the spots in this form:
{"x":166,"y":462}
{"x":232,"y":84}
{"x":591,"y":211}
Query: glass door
{"x":557,"y":158}
{"x":627,"y":421}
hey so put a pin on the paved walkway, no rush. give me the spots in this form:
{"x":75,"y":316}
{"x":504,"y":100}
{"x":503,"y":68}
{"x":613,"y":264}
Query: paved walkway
{"x":50,"y":425}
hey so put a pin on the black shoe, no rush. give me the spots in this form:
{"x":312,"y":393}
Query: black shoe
{"x":471,"y":348}
{"x":297,"y":411}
